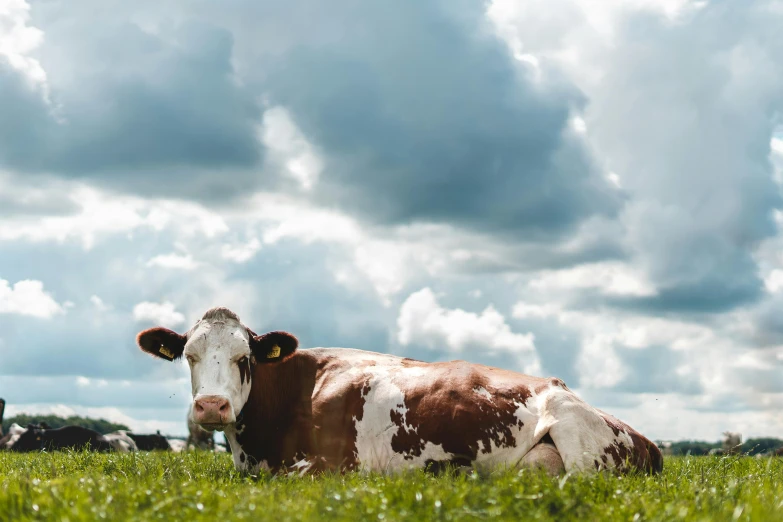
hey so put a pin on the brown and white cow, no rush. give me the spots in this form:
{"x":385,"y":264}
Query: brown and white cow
{"x":337,"y":408}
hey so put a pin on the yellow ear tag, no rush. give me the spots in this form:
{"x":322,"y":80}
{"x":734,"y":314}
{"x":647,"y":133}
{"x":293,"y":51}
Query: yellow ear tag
{"x":165,"y":351}
{"x":274,"y":353}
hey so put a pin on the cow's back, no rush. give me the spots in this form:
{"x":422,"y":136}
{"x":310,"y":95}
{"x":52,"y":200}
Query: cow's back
{"x":376,"y":411}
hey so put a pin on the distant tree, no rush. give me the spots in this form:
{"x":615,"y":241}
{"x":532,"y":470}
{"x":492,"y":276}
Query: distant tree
{"x":99,"y":425}
{"x":693,"y":447}
{"x":749,"y":447}
{"x":763,"y":445}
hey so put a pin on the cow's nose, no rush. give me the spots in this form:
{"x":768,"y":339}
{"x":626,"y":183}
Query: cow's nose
{"x":211,"y":409}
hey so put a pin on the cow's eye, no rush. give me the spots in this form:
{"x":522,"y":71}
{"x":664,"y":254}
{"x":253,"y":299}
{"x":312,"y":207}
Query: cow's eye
{"x":242,"y":360}
{"x":191,"y":359}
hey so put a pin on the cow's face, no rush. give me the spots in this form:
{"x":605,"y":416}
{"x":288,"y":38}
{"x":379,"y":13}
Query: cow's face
{"x":221,"y":353}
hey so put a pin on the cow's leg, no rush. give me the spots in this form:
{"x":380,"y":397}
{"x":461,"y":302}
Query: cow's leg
{"x":582,"y":435}
{"x":544,"y":455}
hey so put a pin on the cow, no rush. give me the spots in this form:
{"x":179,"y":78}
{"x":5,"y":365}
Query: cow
{"x":199,"y":438}
{"x":10,"y":438}
{"x":152,"y":442}
{"x":178,"y":445}
{"x":731,"y":442}
{"x":344,"y":409}
{"x":121,"y":442}
{"x":36,"y":438}
{"x":2,"y":411}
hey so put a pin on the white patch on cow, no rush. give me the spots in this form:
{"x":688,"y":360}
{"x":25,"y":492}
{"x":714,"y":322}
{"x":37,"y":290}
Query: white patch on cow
{"x":375,"y":431}
{"x":524,"y":437}
{"x":15,"y":431}
{"x":578,"y":430}
{"x":483,"y":392}
{"x":121,"y":442}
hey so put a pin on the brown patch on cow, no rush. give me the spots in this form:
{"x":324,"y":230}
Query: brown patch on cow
{"x":291,"y":415}
{"x":277,"y":422}
{"x":644,"y":455}
{"x":445,"y":409}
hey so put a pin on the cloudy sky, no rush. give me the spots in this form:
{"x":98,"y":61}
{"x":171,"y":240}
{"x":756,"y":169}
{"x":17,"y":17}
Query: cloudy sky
{"x":589,"y":190}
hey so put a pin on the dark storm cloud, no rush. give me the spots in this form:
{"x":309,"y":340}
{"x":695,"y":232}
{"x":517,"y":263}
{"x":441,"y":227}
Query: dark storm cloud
{"x":422,"y":116}
{"x":421,"y":113}
{"x":132,"y":109}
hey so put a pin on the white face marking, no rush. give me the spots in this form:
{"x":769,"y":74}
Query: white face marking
{"x":214,"y":351}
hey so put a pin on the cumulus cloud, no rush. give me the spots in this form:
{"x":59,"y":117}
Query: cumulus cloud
{"x":28,"y":298}
{"x":18,"y":39}
{"x":423,"y":321}
{"x":163,"y":314}
{"x":241,"y":252}
{"x":93,"y":214}
{"x":608,"y":278}
{"x":700,"y":198}
{"x":175,"y":261}
{"x":289,"y":148}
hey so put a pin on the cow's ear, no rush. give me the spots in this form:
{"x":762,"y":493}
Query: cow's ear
{"x":162,"y":342}
{"x":272,"y":346}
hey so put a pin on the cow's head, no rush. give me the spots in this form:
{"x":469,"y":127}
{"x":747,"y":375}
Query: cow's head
{"x":221,"y":353}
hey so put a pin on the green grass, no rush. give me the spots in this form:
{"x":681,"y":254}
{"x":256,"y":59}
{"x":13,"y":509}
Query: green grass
{"x":204,"y":486}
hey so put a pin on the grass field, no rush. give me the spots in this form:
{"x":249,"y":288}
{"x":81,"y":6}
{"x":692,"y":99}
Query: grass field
{"x":204,"y":486}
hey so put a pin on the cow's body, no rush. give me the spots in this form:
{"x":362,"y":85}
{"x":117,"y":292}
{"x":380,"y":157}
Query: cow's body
{"x":36,"y":438}
{"x":344,"y":409}
{"x":351,"y":409}
{"x":199,"y":438}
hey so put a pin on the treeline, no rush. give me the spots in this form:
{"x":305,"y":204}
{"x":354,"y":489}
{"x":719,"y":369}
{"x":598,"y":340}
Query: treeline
{"x":99,"y":425}
{"x":749,"y":447}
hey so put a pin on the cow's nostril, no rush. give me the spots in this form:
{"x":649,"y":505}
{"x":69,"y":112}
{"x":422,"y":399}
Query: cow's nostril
{"x":223,"y":407}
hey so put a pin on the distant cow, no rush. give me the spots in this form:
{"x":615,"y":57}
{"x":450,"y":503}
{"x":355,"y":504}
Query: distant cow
{"x":121,"y":442}
{"x":36,"y":438}
{"x":731,"y":442}
{"x":10,"y":438}
{"x":199,"y":438}
{"x":150,"y":442}
{"x":178,"y":445}
{"x":666,"y":448}
{"x":2,"y":411}
{"x":335,"y":408}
